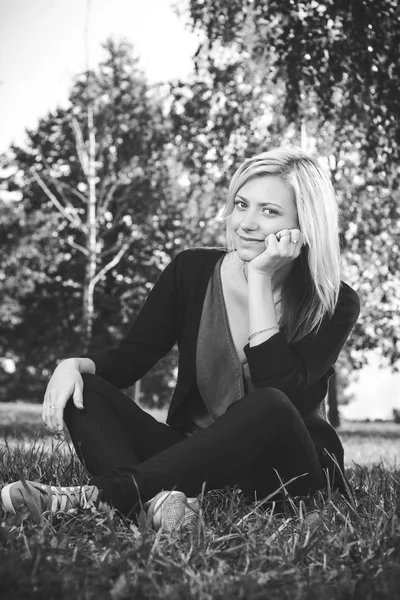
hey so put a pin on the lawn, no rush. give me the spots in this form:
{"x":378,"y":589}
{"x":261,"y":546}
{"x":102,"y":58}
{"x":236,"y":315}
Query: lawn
{"x":323,"y":547}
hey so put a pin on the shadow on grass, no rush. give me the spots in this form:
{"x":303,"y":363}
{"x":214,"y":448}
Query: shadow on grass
{"x":22,"y":430}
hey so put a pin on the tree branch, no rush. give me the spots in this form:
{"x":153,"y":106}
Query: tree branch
{"x":73,"y":244}
{"x":59,"y":189}
{"x":73,"y":191}
{"x":108,"y":196}
{"x":55,"y":201}
{"x":109,"y":251}
{"x":80,"y":147}
{"x":113,"y":262}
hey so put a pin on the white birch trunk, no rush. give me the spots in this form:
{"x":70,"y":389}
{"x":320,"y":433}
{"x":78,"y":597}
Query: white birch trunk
{"x":91,"y":245}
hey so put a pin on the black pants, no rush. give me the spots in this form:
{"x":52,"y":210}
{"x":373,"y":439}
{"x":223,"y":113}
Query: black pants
{"x":131,"y":456}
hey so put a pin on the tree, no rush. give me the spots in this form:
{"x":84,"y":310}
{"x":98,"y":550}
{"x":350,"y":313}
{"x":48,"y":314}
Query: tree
{"x":339,"y":66}
{"x":100,"y":212}
{"x":326,"y":75}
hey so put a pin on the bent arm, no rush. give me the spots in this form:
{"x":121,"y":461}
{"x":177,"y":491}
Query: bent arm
{"x":293,"y":368}
{"x":263,"y":321}
{"x":151,"y":336}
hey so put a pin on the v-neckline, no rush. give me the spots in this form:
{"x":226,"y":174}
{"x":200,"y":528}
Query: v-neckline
{"x":225,"y":315}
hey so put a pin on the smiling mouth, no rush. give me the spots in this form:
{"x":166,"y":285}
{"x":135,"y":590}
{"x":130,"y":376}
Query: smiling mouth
{"x":245,"y":239}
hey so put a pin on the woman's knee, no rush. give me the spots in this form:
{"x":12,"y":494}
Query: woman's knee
{"x":96,"y":386}
{"x":272,"y":405}
{"x":94,"y":393}
{"x":270,"y":400}
{"x":92,"y":381}
{"x":93,"y":396}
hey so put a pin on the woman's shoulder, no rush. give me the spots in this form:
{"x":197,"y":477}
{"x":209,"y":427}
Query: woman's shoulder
{"x":348,"y":294}
{"x":191,"y":257}
{"x":193,"y":268}
{"x":348,"y":299}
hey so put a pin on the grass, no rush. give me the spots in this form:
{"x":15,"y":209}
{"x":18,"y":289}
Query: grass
{"x":371,"y":443}
{"x":323,"y":547}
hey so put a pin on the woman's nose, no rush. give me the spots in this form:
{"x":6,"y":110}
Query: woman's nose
{"x":250,"y":220}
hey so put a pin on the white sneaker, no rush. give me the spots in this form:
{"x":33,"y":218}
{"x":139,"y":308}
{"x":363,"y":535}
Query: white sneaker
{"x":172,"y":510}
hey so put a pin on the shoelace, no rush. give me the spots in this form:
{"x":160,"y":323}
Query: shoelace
{"x":62,"y":496}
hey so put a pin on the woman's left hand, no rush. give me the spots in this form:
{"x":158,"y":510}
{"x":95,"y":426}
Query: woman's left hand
{"x":281,"y":248}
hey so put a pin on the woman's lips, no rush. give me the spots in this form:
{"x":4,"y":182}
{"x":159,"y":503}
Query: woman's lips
{"x":249,"y":240}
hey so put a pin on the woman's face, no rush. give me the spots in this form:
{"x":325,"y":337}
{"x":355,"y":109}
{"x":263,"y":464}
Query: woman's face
{"x":263,"y":205}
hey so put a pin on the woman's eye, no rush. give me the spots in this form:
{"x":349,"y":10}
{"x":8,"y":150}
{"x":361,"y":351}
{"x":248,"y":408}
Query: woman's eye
{"x":271,"y":211}
{"x":240,"y":204}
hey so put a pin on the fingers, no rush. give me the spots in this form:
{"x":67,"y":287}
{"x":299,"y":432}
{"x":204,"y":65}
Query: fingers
{"x":77,"y":396}
{"x":53,"y":410}
{"x":296,"y":241}
{"x":296,"y":236}
{"x":291,"y":234}
{"x":52,"y":414}
{"x":56,"y":418}
{"x":46,"y":417}
{"x":289,"y":241}
{"x":271,"y":243}
{"x":66,"y":382}
{"x":282,"y":233}
{"x":48,"y":410}
{"x":284,"y":242}
{"x":44,"y":407}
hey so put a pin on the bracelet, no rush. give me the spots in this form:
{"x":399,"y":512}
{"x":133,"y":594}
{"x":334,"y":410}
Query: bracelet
{"x":253,"y":335}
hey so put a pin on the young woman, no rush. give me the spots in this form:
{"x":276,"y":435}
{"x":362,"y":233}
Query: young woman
{"x":259,"y":326}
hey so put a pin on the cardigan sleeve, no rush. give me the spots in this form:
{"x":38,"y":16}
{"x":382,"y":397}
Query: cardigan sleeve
{"x":293,"y":368}
{"x":151,"y":336}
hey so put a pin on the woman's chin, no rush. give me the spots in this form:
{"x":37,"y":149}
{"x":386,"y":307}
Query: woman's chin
{"x":247,"y":254}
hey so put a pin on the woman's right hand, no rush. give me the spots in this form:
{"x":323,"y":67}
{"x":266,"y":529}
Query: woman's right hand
{"x":279,"y":252}
{"x":65,"y":382}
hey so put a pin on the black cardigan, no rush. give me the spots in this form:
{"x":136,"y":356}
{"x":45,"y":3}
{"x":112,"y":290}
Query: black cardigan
{"x":172,"y":312}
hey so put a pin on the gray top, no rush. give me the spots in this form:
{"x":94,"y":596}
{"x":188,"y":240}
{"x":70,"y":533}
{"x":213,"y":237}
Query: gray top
{"x":221,"y":378}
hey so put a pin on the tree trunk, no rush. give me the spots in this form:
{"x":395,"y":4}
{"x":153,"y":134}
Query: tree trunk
{"x":333,"y":407}
{"x":137,"y":391}
{"x":91,"y":240}
{"x":134,"y":392}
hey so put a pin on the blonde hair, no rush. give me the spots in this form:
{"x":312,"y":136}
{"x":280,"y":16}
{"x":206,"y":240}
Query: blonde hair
{"x":311,"y":291}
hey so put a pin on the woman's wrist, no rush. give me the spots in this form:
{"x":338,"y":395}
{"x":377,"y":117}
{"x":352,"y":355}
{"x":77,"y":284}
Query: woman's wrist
{"x":254,"y":275}
{"x":262,"y":331}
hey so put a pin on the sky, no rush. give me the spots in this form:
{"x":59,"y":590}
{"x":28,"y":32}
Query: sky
{"x":375,"y":392}
{"x":42,"y":47}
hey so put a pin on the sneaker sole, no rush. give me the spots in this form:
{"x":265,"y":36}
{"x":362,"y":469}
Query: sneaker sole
{"x":6,"y":499}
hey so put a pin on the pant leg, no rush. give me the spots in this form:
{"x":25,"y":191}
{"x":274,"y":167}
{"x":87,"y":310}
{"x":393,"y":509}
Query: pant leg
{"x":112,"y":432}
{"x":330,"y":451}
{"x":260,"y":434}
{"x":245,"y":444}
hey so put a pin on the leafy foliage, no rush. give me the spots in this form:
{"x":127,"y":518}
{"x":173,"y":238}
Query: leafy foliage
{"x":139,"y":204}
{"x":328,"y":75}
{"x":317,"y":74}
